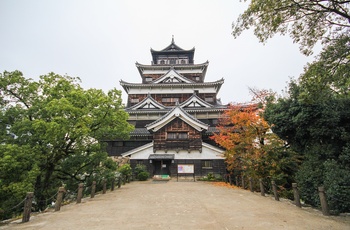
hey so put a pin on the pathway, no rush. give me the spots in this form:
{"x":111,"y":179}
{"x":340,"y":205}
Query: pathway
{"x":182,"y":205}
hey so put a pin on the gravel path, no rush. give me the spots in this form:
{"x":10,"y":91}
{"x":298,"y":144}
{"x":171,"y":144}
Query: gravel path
{"x":182,"y":205}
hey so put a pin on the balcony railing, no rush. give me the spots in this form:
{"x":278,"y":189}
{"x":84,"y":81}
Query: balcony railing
{"x":177,"y":145}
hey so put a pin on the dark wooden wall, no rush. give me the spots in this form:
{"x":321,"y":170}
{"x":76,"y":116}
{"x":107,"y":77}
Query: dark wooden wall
{"x":217,"y":169}
{"x":193,"y":142}
{"x":158,"y":98}
{"x":116,"y":148}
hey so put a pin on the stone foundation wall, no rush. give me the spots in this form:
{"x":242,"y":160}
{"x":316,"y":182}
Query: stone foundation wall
{"x":121,"y":160}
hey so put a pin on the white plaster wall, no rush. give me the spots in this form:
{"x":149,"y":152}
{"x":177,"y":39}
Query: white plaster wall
{"x":207,"y":153}
{"x":141,"y":90}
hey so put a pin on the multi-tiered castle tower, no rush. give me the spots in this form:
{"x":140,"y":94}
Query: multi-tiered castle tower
{"x":174,"y":112}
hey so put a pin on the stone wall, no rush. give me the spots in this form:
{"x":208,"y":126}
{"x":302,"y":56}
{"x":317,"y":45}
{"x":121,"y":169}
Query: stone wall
{"x":121,"y":160}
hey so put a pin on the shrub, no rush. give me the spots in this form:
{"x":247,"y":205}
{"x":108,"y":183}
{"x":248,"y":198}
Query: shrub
{"x":142,"y":176}
{"x":140,"y":168}
{"x":125,"y":170}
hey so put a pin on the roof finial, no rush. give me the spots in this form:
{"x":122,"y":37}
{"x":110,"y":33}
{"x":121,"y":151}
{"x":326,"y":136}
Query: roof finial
{"x":172,"y":40}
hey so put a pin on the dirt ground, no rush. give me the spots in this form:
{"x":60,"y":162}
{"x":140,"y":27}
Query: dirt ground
{"x":182,"y":205}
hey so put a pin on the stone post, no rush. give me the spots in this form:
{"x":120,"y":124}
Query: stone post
{"x":93,"y":189}
{"x":296,"y":195}
{"x":124,"y":179}
{"x":274,"y":188}
{"x":80,"y":192}
{"x":104,"y":185}
{"x":323,"y":199}
{"x":251,"y":184}
{"x":262,"y":190}
{"x":243,"y":185}
{"x":112,"y":185}
{"x":119,"y":181}
{"x":59,"y":198}
{"x":27,"y":207}
{"x":128,"y":178}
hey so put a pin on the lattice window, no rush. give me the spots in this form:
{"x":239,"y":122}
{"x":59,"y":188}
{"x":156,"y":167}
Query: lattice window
{"x":207,"y":164}
{"x":177,"y":135}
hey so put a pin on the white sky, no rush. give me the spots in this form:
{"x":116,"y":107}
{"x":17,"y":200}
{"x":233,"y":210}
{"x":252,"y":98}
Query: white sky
{"x":100,"y":41}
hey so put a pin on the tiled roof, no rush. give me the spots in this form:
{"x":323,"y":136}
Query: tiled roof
{"x":148,"y":99}
{"x":172,"y":48}
{"x":179,"y":66}
{"x":140,"y":132}
{"x":172,"y":74}
{"x":183,"y":85}
{"x":200,"y":123}
{"x":145,"y":132}
{"x":197,"y":100}
{"x":219,"y":108}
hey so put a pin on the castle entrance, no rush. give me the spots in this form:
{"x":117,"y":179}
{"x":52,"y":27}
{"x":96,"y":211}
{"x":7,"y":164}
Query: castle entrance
{"x":161,"y":163}
{"x":162,"y":167}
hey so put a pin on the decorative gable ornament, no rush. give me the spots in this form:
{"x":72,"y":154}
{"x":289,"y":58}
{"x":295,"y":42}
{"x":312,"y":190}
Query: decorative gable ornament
{"x":195,"y":102}
{"x":172,"y":77}
{"x":177,"y":112}
{"x":147,"y":103}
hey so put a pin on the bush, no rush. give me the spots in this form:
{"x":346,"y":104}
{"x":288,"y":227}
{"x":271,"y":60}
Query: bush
{"x":142,"y":176}
{"x":141,"y":173}
{"x":140,"y":168}
{"x":125,"y":170}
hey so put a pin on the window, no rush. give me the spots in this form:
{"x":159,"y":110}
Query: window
{"x":196,"y":78}
{"x":170,"y":99}
{"x":162,"y":62}
{"x":183,"y":61}
{"x":172,"y":61}
{"x":148,"y":79}
{"x":118,"y":144}
{"x":177,"y":135}
{"x":134,"y":100}
{"x":207,"y":164}
{"x":183,"y":135}
{"x":209,"y":99}
{"x":171,"y":135}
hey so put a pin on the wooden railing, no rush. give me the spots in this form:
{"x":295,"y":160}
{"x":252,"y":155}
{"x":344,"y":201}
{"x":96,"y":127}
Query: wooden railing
{"x":187,"y":145}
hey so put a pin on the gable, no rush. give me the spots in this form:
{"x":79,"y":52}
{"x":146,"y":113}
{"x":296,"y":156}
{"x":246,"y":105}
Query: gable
{"x":172,"y":77}
{"x":177,"y":126}
{"x":177,"y":112}
{"x":147,"y":103}
{"x":208,"y":152}
{"x":195,"y":102}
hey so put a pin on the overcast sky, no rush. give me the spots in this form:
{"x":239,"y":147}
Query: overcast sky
{"x":100,"y":41}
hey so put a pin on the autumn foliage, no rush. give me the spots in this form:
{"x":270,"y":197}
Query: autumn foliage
{"x":251,"y":148}
{"x":241,"y":132}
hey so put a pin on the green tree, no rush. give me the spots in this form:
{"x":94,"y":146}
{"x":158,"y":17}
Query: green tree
{"x":306,"y":21}
{"x":329,"y":76}
{"x":62,"y":124}
{"x":18,"y":172}
{"x":314,"y":120}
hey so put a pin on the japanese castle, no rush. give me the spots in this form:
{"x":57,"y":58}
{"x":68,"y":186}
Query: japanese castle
{"x":174,"y":111}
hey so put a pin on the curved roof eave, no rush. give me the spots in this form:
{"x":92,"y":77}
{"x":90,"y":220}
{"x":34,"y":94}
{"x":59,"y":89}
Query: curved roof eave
{"x":178,"y":50}
{"x":218,"y":82}
{"x":150,"y":99}
{"x":189,"y":110}
{"x":195,"y":98}
{"x":164,"y":76}
{"x":139,"y":65}
{"x":172,"y":114}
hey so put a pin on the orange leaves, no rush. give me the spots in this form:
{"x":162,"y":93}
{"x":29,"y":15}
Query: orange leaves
{"x":223,"y":184}
{"x":242,"y":133}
